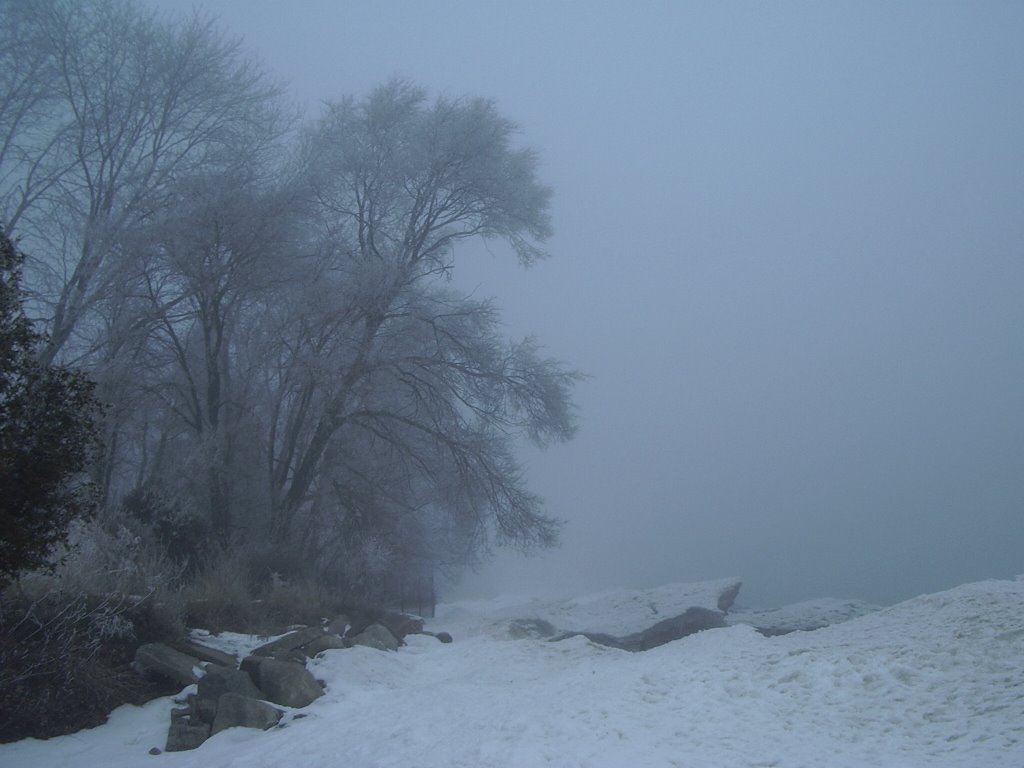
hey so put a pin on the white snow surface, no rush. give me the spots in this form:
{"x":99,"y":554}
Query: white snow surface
{"x":936,"y":681}
{"x":809,"y":614}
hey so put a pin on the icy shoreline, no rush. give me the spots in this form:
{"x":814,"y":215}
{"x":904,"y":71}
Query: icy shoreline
{"x":934,"y":681}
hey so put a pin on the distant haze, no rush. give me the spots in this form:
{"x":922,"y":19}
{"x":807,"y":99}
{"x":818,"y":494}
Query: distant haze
{"x":789,"y":253}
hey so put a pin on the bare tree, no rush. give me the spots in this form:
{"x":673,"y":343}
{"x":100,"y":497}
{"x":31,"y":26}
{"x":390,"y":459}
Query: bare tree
{"x":113,"y":107}
{"x":211,"y":261}
{"x":396,"y":363}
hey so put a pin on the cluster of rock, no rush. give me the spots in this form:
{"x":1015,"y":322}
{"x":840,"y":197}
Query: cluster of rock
{"x":230,"y":694}
{"x":629,"y":620}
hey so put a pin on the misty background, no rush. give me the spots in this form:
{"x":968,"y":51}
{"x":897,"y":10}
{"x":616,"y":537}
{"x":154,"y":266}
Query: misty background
{"x":788,"y":254}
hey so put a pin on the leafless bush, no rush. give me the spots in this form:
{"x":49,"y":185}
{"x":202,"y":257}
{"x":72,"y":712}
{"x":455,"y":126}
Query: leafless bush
{"x":64,"y":661}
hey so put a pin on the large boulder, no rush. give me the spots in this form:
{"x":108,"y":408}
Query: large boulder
{"x":400,"y":624}
{"x":159,"y":660}
{"x":235,"y":710}
{"x":325,"y":643}
{"x":283,"y":682}
{"x":377,"y":636}
{"x":205,"y":653}
{"x":293,"y":641}
{"x":215,"y":683}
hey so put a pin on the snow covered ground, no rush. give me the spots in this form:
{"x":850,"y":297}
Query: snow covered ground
{"x":936,"y":681}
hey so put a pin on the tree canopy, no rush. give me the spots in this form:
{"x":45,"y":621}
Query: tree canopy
{"x":266,"y":307}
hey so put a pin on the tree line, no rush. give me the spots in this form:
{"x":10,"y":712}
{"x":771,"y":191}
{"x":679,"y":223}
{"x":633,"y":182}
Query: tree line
{"x":264,"y":303}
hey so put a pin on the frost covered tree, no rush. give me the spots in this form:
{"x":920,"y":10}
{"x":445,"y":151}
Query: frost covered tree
{"x":48,"y":420}
{"x":397,"y":403}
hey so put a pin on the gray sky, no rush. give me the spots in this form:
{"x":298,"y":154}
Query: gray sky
{"x":789,"y":252}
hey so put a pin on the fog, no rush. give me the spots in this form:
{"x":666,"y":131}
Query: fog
{"x":789,"y":255}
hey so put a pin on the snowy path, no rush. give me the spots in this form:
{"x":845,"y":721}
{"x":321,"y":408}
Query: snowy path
{"x":937,"y":681}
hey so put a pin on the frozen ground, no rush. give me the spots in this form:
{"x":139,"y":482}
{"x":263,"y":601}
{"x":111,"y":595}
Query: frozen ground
{"x":937,"y":681}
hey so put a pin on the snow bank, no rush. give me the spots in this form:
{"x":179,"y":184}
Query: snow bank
{"x":936,"y":681}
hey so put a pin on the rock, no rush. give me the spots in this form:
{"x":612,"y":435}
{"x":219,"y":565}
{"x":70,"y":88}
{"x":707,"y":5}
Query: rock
{"x":522,"y":628}
{"x":325,"y":643}
{"x":205,"y":653}
{"x":159,"y":660}
{"x":377,"y":636}
{"x":359,"y":619}
{"x":728,"y":596}
{"x":339,"y":625}
{"x":185,"y":733}
{"x":283,"y":682}
{"x":400,"y":624}
{"x":298,"y":656}
{"x":293,"y":641}
{"x":235,"y":710}
{"x":693,"y":620}
{"x":444,"y":637}
{"x":218,"y":681}
{"x":156,"y":751}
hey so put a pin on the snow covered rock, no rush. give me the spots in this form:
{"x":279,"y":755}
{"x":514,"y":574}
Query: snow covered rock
{"x":327,"y":642}
{"x":377,"y":636}
{"x":804,"y":616}
{"x":520,"y":628}
{"x":400,"y":624}
{"x":283,"y":682}
{"x":293,"y":641}
{"x":689,"y":622}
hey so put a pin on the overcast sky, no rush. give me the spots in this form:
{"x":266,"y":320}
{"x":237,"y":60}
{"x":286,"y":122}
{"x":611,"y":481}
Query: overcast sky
{"x":789,"y":253}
